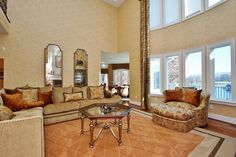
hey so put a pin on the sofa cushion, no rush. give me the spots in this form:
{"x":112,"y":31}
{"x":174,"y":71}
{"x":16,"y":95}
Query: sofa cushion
{"x":192,"y":96}
{"x":45,"y":89}
{"x":13,"y":101}
{"x":81,"y":89}
{"x":173,"y":95}
{"x":96,"y":92}
{"x":73,"y":96}
{"x":173,"y":112}
{"x":32,"y":112}
{"x":60,"y":107}
{"x":45,"y":96}
{"x":5,"y":113}
{"x":58,"y":96}
{"x":182,"y":105}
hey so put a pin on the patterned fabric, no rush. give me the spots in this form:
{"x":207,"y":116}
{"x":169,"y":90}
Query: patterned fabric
{"x":192,"y":96}
{"x":5,"y":113}
{"x":96,"y":92}
{"x":29,"y":95}
{"x":46,"y":97}
{"x":58,"y":93}
{"x":182,"y":126}
{"x":182,"y":105}
{"x":173,"y":112}
{"x":145,"y":52}
{"x":173,"y":95}
{"x":73,"y":96}
{"x":81,"y":89}
{"x":13,"y":101}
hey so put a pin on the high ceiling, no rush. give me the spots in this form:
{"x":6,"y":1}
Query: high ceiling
{"x":115,"y":3}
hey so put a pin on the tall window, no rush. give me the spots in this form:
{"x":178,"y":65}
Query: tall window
{"x":193,"y":69}
{"x":155,"y":81}
{"x":192,"y":7}
{"x":172,"y":13}
{"x":172,"y":71}
{"x":220,"y":72}
{"x":211,"y":3}
{"x":155,"y":13}
{"x":104,"y":79}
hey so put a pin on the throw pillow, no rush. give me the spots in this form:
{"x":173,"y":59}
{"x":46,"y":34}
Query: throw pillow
{"x":5,"y":113}
{"x":73,"y":96}
{"x":96,"y":92}
{"x":173,"y":95}
{"x":58,"y":96}
{"x":192,"y":96}
{"x":81,"y":89}
{"x":13,"y":101}
{"x":2,"y":91}
{"x":33,"y":104}
{"x":29,"y":95}
{"x":46,"y":97}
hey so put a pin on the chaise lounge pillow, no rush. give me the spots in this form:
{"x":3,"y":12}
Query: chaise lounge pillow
{"x":173,"y":95}
{"x":96,"y":92}
{"x":192,"y":96}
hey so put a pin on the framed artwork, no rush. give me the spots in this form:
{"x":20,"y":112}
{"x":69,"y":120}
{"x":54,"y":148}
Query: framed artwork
{"x":58,"y":61}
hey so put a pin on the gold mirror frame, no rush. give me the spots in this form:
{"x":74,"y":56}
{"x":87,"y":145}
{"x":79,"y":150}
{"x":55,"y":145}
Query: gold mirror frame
{"x":55,"y":72}
{"x":80,"y":68}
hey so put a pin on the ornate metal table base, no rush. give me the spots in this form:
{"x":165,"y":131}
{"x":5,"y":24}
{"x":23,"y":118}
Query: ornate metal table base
{"x":107,"y":126}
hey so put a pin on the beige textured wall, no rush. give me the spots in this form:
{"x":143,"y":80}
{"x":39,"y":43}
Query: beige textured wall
{"x":128,"y":40}
{"x":88,"y":24}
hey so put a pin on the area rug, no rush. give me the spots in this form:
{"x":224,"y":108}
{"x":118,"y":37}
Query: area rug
{"x":146,"y":139}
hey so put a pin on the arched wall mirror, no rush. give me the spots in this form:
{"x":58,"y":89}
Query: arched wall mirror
{"x":53,"y":65}
{"x":80,"y":68}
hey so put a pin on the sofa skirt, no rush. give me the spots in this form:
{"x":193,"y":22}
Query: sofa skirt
{"x":182,"y":126}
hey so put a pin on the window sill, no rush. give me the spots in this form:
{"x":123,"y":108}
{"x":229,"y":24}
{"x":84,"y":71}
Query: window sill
{"x":227,"y":103}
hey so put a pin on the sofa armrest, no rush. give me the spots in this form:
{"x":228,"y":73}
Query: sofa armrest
{"x":201,"y":112}
{"x":22,"y":137}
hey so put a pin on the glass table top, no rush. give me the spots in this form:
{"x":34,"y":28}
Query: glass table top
{"x":104,"y":110}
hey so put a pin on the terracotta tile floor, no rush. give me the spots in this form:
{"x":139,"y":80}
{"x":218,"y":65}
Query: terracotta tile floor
{"x":146,"y":139}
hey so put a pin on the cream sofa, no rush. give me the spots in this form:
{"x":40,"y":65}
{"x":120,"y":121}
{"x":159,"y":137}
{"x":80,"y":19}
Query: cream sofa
{"x":23,"y":136}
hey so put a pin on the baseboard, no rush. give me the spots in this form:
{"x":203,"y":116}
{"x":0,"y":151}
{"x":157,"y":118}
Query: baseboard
{"x":135,"y":102}
{"x":222,"y":118}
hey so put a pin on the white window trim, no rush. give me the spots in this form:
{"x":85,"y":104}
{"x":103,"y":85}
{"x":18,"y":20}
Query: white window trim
{"x":193,"y":14}
{"x":194,"y":50}
{"x":213,"y":6}
{"x":174,"y":22}
{"x":161,"y":74}
{"x":233,"y":69}
{"x":179,"y":54}
{"x":205,"y":8}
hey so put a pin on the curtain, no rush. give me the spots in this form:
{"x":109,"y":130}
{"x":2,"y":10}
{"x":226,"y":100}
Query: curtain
{"x":144,"y":53}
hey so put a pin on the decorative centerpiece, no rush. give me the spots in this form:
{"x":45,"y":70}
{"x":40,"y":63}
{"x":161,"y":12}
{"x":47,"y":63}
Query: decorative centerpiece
{"x":105,"y":109}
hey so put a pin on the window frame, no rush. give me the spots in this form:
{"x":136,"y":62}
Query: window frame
{"x":193,"y":14}
{"x":194,"y":50}
{"x":179,"y":54}
{"x":161,"y":74}
{"x":164,"y":24}
{"x":210,"y":83}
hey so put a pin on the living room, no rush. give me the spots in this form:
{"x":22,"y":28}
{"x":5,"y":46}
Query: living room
{"x":186,"y":43}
